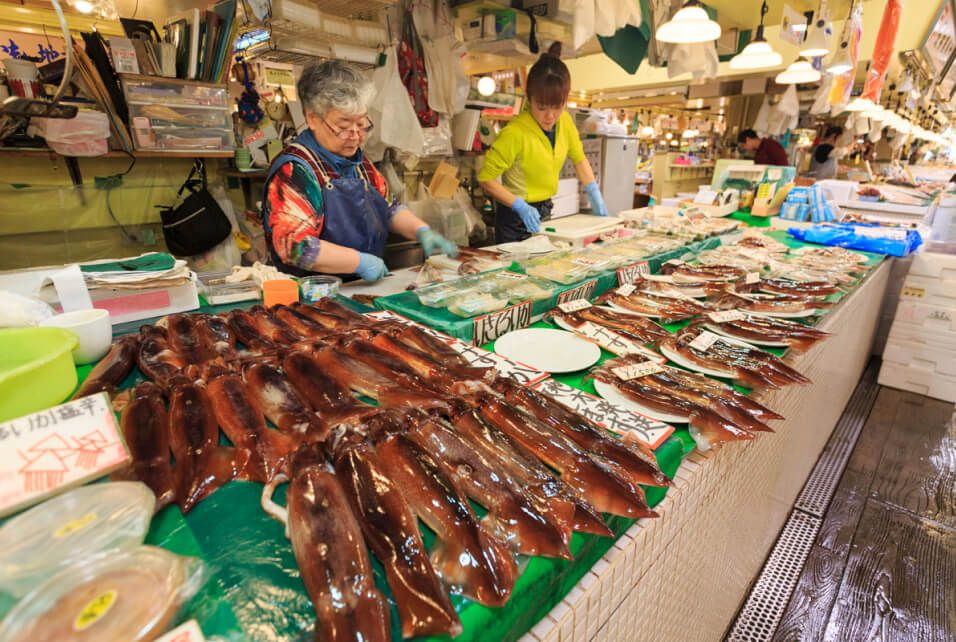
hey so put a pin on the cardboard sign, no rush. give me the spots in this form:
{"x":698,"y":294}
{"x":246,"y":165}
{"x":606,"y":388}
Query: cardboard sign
{"x":574,"y":306}
{"x":632,"y":273}
{"x":727,"y":315}
{"x":614,"y":342}
{"x":626,"y":290}
{"x":491,"y":326}
{"x":56,"y":449}
{"x":583,"y":291}
{"x":186,"y":632}
{"x":704,"y":341}
{"x":637,"y":370}
{"x":617,"y":419}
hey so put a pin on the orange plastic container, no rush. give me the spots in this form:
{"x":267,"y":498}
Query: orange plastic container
{"x":279,"y":292}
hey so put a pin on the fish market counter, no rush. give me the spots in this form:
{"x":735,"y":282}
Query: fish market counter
{"x":683,"y":576}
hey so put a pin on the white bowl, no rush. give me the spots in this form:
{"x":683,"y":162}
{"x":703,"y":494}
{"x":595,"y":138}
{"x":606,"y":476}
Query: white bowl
{"x":92,"y":327}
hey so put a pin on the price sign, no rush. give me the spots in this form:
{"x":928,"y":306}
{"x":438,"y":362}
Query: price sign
{"x":637,"y":370}
{"x":574,"y":306}
{"x":911,"y":292}
{"x":614,"y":342}
{"x":55,"y":449}
{"x":704,"y":341}
{"x":617,"y":419}
{"x":480,"y":358}
{"x":491,"y":326}
{"x":632,"y":273}
{"x":727,"y":315}
{"x":388,"y":315}
{"x":626,"y":290}
{"x":583,"y":291}
{"x":186,"y":632}
{"x":752,"y":277}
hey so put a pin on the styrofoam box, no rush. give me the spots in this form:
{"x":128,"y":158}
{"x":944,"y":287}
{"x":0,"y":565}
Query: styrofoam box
{"x":930,"y":291}
{"x":564,"y":205}
{"x":929,"y":317}
{"x":908,"y":332}
{"x":919,"y":380}
{"x":921,"y":355}
{"x":567,"y":187}
{"x":934,"y":265}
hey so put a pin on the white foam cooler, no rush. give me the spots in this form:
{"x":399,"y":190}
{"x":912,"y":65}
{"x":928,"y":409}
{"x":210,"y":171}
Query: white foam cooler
{"x":922,"y":381}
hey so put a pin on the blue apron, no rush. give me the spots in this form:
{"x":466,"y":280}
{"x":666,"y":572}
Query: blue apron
{"x":355,"y":214}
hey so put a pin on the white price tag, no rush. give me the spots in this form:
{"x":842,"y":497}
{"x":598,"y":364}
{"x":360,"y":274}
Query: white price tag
{"x":574,"y":306}
{"x":626,"y":290}
{"x":704,"y":341}
{"x":752,"y":277}
{"x":727,"y":315}
{"x":637,"y":370}
{"x":186,"y":632}
{"x":55,"y":449}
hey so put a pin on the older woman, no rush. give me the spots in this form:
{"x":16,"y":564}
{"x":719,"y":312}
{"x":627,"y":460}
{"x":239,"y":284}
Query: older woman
{"x":327,"y":208}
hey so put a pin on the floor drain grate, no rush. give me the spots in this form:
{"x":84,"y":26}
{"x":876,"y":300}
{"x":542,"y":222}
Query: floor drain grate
{"x":769,"y":597}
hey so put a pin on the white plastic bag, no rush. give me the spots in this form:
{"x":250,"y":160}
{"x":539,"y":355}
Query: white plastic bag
{"x":583,"y":22}
{"x":762,"y":122}
{"x":396,"y":124}
{"x":699,"y":59}
{"x":17,"y":311}
{"x":86,"y":134}
{"x":447,"y":83}
{"x":820,"y":100}
{"x":438,"y":139}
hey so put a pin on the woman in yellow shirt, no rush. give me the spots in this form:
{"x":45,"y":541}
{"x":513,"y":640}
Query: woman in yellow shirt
{"x":530,"y":151}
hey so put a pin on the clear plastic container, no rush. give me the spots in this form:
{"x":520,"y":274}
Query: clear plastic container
{"x":521,"y":287}
{"x":475,"y":303}
{"x":129,"y":595}
{"x":217,"y":291}
{"x":441,"y":295}
{"x":74,"y":526}
{"x":318,"y":287}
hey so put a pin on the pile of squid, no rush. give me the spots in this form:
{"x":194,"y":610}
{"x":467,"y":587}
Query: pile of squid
{"x":445,"y":437}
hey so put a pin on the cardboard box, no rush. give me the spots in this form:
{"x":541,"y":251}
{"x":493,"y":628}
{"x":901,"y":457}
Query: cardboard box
{"x":444,"y":182}
{"x":919,"y":380}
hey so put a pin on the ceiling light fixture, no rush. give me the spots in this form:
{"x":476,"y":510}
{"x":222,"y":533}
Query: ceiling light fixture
{"x":818,"y":42}
{"x":799,"y":72}
{"x":758,"y":54}
{"x":860,"y":105}
{"x":689,"y":25}
{"x":486,"y":85}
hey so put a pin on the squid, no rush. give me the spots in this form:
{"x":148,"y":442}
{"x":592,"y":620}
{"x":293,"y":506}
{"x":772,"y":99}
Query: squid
{"x":111,"y":369}
{"x":145,"y":425}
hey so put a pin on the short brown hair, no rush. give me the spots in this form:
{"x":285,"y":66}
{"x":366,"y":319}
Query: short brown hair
{"x":549,"y":81}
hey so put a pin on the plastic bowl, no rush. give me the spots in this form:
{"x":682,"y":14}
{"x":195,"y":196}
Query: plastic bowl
{"x":36,"y":369}
{"x":92,"y":327}
{"x":319,"y":287}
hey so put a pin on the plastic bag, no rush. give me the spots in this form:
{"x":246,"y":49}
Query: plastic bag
{"x":476,"y":226}
{"x":400,"y":129}
{"x":17,"y":311}
{"x":821,"y":103}
{"x":438,"y":139}
{"x":584,"y":11}
{"x":699,"y":59}
{"x":226,"y":254}
{"x":883,"y":50}
{"x":86,"y":134}
{"x":447,"y":83}
{"x":762,"y":121}
{"x":857,"y":236}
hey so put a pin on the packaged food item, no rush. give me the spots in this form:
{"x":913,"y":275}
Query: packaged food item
{"x":71,"y":527}
{"x":319,"y":286}
{"x":526,"y":289}
{"x":126,"y":595}
{"x":441,"y":294}
{"x":475,"y":303}
{"x":116,"y":595}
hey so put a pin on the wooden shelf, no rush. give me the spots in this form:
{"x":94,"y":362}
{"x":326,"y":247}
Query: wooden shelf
{"x":35,"y":152}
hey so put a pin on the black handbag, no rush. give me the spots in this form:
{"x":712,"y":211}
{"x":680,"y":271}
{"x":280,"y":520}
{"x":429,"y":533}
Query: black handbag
{"x":197,"y":224}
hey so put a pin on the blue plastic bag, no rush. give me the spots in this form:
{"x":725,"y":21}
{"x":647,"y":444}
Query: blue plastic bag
{"x":861,"y":236}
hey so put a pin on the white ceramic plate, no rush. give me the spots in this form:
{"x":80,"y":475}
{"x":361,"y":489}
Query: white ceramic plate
{"x":615,"y":396}
{"x":548,"y":350}
{"x":716,"y":329}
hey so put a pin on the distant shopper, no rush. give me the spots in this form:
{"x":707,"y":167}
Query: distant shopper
{"x":825,"y":155}
{"x":766,"y":151}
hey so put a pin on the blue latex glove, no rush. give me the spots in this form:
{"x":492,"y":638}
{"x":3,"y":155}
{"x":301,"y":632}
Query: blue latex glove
{"x":528,"y":215}
{"x":432,"y":242}
{"x":370,"y":267}
{"x":598,"y":208}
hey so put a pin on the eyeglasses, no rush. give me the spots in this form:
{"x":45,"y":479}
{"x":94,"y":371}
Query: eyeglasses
{"x":353,"y":131}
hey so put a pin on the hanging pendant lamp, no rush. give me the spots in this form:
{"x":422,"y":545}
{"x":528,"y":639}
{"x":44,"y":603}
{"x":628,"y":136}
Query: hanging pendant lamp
{"x":758,"y":54}
{"x":689,"y":25}
{"x":818,"y":42}
{"x":798,"y":73}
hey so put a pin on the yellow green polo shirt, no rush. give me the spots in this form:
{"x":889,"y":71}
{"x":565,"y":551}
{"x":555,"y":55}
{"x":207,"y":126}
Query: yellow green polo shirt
{"x":522,"y":155}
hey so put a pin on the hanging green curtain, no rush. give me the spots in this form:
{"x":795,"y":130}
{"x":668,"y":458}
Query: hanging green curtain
{"x":628,"y":46}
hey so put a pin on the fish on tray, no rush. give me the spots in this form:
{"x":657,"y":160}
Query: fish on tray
{"x":770,"y":304}
{"x":156,"y":358}
{"x":682,"y":272}
{"x":800,"y":288}
{"x":763,"y":330}
{"x":743,"y":363}
{"x":649,"y":304}
{"x":714,"y":412}
{"x":281,"y":402}
{"x":331,"y":554}
{"x":145,"y":426}
{"x":639,"y":329}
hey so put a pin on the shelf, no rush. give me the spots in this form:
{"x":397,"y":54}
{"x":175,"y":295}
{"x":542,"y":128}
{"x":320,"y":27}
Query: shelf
{"x":35,"y":152}
{"x":178,"y":105}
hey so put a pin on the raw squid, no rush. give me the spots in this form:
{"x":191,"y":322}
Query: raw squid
{"x":769,"y":304}
{"x":299,"y":323}
{"x":424,"y":364}
{"x":333,"y":401}
{"x":214,"y":331}
{"x":331,"y":306}
{"x":649,"y":304}
{"x":762,"y":329}
{"x":145,"y":425}
{"x":639,"y":464}
{"x":156,"y":359}
{"x":272,"y":329}
{"x":606,"y":487}
{"x":202,"y":465}
{"x":536,"y":524}
{"x":185,"y":339}
{"x":468,"y":556}
{"x":633,"y":327}
{"x":332,"y":319}
{"x":391,"y":531}
{"x":800,"y":288}
{"x":332,"y":556}
{"x":281,"y":402}
{"x":419,"y":339}
{"x":111,"y":369}
{"x":682,"y":272}
{"x":246,"y":329}
{"x":266,"y":450}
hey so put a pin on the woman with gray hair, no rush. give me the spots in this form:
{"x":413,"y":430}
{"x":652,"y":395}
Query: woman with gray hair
{"x":326,"y":207}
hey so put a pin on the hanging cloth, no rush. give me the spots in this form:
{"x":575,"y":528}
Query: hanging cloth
{"x":883,"y":50}
{"x":411,"y":66}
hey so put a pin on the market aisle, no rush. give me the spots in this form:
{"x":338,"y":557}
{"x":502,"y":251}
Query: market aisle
{"x":883,"y":564}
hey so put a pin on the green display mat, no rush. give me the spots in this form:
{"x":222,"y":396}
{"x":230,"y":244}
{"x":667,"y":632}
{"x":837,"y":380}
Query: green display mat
{"x":253,"y":589}
{"x":750,"y":220}
{"x":408,"y":305}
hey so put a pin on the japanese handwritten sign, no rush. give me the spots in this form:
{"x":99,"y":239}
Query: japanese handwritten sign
{"x":574,"y":306}
{"x":583,"y":291}
{"x":638,"y":370}
{"x":52,"y":450}
{"x":615,"y":418}
{"x":491,"y":326}
{"x":726,"y":315}
{"x":388,"y":315}
{"x":704,"y":341}
{"x":631,"y":273}
{"x":614,"y":342}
